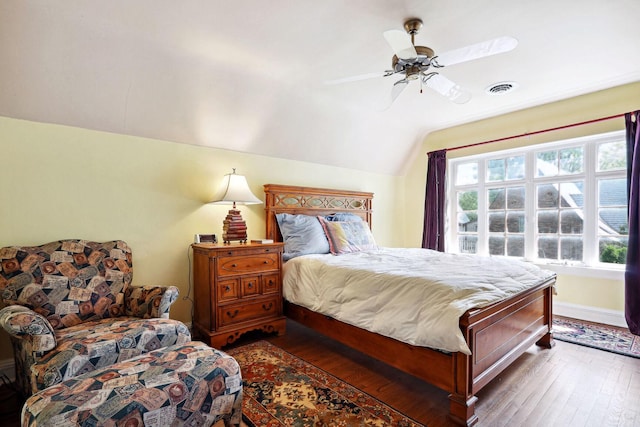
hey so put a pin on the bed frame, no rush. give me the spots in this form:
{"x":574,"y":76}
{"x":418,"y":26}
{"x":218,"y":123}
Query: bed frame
{"x":497,"y":335}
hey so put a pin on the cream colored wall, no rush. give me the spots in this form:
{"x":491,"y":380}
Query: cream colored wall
{"x":587,"y":291}
{"x":61,"y":182}
{"x":64,"y":182}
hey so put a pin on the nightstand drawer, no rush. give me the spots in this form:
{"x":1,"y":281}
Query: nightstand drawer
{"x":250,"y":285}
{"x":271,"y":283}
{"x":236,"y":313}
{"x":248,"y":264}
{"x":228,"y":290}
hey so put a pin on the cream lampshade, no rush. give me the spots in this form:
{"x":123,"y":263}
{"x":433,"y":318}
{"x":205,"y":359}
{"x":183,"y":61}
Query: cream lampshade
{"x":234,"y":190}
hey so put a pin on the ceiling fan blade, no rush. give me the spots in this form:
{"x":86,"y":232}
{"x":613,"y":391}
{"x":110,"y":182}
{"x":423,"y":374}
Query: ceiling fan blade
{"x":446,"y":88}
{"x":359,"y":77}
{"x":401,"y":44}
{"x":476,"y":51}
{"x":397,"y":88}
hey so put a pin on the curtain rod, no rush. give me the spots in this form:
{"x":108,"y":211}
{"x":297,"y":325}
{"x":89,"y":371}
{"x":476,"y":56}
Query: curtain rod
{"x":537,"y":132}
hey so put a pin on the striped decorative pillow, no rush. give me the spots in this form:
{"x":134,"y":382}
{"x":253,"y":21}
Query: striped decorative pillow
{"x":348,"y":236}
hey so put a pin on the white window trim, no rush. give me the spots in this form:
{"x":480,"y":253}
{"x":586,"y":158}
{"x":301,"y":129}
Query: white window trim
{"x":590,"y":266}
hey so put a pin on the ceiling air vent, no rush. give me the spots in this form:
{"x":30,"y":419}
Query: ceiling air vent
{"x":501,"y":88}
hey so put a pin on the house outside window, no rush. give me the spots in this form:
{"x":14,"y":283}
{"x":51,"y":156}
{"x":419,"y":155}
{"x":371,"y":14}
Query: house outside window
{"x":561,"y":202}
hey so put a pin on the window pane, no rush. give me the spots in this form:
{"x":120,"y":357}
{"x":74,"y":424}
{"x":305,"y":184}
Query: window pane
{"x":571,"y":248}
{"x":515,"y":167}
{"x":496,"y":198}
{"x":515,"y":222}
{"x":548,"y":221}
{"x":548,"y":247}
{"x":547,"y":196}
{"x":515,"y":198}
{"x":571,"y":221}
{"x":571,"y":160}
{"x":468,"y":200}
{"x":613,"y":250}
{"x":467,"y":173}
{"x":496,"y":245}
{"x":571,"y":194}
{"x":468,"y":244}
{"x":468,"y":210}
{"x":613,"y":221}
{"x":612,"y":192}
{"x":547,"y":163}
{"x":495,"y":170}
{"x":612,"y":156}
{"x":515,"y":246}
{"x":497,"y":222}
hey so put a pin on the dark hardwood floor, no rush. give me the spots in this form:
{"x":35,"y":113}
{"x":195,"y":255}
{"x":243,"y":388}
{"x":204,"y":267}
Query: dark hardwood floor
{"x":569,"y":385}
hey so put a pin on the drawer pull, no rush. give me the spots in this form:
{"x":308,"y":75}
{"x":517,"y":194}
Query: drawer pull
{"x":250,"y":285}
{"x":227,"y":288}
{"x":232,"y":315}
{"x":266,"y":262}
{"x":267,"y":307}
{"x":234,"y":265}
{"x":229,"y":253}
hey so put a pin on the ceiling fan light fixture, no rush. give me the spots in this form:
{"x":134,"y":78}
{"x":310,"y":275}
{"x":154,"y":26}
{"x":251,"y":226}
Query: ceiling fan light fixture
{"x":502,"y":88}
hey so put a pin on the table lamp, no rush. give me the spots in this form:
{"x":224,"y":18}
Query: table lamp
{"x":234,"y":189}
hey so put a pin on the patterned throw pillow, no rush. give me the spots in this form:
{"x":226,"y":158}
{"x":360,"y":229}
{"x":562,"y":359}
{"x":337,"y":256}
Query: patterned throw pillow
{"x":348,"y":236}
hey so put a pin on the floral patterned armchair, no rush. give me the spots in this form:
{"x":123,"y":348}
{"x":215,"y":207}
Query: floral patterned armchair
{"x":70,"y":308}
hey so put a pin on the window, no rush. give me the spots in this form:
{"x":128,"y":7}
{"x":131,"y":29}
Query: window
{"x":562,"y":202}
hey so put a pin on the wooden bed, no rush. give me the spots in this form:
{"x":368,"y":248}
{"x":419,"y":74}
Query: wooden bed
{"x":497,"y":334}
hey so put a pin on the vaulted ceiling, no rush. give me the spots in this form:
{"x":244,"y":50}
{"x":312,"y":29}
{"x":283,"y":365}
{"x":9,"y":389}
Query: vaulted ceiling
{"x":249,"y":75}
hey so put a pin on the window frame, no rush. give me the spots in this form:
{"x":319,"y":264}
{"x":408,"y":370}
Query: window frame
{"x":590,"y":176}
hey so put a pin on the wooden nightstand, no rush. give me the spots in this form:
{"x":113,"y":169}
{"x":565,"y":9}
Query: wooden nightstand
{"x":237,"y":289}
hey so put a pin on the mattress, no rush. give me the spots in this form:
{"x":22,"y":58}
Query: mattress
{"x":413,"y":295}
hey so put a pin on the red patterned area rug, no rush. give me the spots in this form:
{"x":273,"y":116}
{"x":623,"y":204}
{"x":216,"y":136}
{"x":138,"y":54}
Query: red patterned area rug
{"x":282,"y":390}
{"x":603,"y":337}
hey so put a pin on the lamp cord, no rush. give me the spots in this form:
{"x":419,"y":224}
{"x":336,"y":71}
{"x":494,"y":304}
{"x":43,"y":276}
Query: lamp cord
{"x":188,"y":296}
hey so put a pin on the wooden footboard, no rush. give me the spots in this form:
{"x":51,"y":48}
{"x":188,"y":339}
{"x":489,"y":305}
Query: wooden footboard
{"x":497,"y":335}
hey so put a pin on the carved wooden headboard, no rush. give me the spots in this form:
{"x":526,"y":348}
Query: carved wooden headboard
{"x":312,"y":201}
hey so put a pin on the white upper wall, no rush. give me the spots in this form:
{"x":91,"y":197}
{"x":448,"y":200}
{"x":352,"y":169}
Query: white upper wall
{"x":248,"y":76}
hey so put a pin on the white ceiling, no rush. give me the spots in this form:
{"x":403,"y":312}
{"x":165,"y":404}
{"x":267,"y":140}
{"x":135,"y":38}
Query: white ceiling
{"x":248,"y":75}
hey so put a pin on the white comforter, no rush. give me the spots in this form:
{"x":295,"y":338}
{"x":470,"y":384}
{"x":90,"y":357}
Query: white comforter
{"x":413,"y":295}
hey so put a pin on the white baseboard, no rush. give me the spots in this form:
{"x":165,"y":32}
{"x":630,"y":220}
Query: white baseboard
{"x":590,"y":314}
{"x":7,"y":367}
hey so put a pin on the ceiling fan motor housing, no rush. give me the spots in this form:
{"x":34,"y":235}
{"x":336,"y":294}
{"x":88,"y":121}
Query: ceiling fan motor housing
{"x":411,"y":66}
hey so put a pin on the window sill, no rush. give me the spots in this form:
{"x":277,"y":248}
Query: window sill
{"x":596,"y":272}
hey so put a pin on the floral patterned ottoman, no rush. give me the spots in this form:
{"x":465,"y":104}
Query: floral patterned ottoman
{"x":187,"y":384}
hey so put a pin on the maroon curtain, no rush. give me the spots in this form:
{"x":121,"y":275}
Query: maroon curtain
{"x":434,"y":201}
{"x":632,"y":273}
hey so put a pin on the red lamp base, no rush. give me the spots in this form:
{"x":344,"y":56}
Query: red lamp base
{"x":234,"y":227}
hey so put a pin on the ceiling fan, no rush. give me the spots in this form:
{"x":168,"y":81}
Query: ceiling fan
{"x":419,"y":62}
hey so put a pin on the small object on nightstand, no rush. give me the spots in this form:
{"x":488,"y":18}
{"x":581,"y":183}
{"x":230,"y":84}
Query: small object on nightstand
{"x":237,"y":289}
{"x":262,"y":241}
{"x":205,"y":238}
